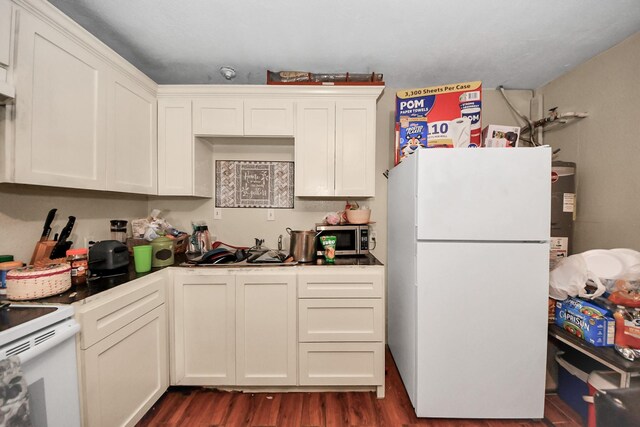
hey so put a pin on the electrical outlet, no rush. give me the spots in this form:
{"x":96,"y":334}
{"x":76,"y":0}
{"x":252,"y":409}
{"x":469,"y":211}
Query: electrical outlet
{"x":271,"y":215}
{"x":217,"y":213}
{"x":373,"y":235}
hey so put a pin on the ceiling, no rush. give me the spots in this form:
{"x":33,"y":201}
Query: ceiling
{"x":518,"y":44}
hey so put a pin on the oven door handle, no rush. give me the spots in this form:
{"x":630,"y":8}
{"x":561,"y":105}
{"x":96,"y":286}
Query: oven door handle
{"x":70,"y":329}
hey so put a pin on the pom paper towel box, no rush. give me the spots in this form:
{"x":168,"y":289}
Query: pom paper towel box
{"x":438,"y":116}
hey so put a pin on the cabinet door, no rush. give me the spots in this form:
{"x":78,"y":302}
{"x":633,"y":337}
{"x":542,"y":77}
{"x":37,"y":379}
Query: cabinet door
{"x":355,"y":148}
{"x":132,"y":151}
{"x":268,"y":117}
{"x":60,"y":110}
{"x":204,"y":330}
{"x":219,"y":116}
{"x":266,"y":329}
{"x":5,"y":32}
{"x":315,"y":148}
{"x":175,"y":148}
{"x":127,"y":372}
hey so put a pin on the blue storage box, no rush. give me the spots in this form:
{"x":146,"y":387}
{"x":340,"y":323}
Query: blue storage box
{"x":573,"y":373}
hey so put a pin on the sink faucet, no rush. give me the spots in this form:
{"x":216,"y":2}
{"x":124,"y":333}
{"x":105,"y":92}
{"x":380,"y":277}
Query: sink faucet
{"x":280,"y":242}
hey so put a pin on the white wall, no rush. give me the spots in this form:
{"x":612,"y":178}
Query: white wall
{"x":605,"y":146}
{"x":24,"y":208}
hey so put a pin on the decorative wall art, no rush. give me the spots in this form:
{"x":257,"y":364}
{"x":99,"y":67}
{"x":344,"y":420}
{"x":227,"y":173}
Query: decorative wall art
{"x":253,"y":184}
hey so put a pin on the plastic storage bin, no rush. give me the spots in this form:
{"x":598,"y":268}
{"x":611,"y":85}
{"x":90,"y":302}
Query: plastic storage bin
{"x":573,"y":374}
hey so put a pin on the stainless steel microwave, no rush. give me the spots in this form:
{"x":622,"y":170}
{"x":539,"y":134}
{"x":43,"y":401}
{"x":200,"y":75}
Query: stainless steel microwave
{"x":351,"y":239}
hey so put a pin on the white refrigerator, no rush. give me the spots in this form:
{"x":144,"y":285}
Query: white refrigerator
{"x":468,"y":271}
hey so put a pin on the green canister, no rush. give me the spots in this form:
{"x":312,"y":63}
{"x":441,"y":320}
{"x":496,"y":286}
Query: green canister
{"x":162,"y":252}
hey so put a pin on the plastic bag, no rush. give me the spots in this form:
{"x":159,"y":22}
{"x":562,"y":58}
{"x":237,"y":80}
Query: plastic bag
{"x":569,"y":278}
{"x":153,"y":226}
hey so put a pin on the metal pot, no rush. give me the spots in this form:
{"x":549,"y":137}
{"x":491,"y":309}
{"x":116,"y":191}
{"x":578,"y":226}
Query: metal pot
{"x":303,"y":245}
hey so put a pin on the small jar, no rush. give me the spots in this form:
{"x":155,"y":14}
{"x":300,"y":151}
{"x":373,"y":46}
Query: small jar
{"x":78,"y":258}
{"x":5,"y":267}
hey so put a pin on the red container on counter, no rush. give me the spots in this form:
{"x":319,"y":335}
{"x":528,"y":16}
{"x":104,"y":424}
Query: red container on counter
{"x":627,"y":327}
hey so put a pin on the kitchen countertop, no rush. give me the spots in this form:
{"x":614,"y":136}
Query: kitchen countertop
{"x":97,"y":285}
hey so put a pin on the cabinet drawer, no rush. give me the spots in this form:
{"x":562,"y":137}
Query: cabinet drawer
{"x":340,"y":320}
{"x":346,"y":284}
{"x":103,"y":317}
{"x":341,"y":363}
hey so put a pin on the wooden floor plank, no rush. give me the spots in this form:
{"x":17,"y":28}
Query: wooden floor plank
{"x":290,"y":410}
{"x":313,"y":410}
{"x":267,"y":409}
{"x":205,"y":407}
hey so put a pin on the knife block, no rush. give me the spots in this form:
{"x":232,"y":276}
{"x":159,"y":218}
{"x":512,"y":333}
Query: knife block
{"x":42,"y":250}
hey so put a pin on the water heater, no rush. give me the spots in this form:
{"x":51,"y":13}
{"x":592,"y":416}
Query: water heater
{"x":563,"y":210}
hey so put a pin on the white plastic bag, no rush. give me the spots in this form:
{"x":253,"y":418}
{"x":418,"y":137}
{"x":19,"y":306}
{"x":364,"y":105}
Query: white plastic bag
{"x":570,"y":277}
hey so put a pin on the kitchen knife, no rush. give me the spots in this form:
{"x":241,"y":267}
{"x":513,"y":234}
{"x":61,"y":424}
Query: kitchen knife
{"x":59,"y":250}
{"x":46,"y":231}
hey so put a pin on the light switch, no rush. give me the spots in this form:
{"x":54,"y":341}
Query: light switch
{"x":271,"y":215}
{"x":217,"y":213}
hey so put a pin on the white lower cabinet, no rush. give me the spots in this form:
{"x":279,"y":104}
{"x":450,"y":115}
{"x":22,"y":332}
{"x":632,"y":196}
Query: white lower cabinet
{"x":234,"y":328}
{"x":341,"y":327}
{"x":126,"y":373}
{"x":123,"y":352}
{"x":308,"y":326}
{"x":266,"y":329}
{"x":203,"y":347}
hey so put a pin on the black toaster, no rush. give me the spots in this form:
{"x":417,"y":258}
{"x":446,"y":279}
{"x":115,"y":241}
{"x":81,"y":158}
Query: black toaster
{"x":108,"y":256}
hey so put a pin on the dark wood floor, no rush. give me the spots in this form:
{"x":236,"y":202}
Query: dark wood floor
{"x":194,"y":406}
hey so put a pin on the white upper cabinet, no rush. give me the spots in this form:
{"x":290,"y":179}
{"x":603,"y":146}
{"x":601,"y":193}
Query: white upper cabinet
{"x":315,"y":148}
{"x":5,"y":32}
{"x":355,"y":148}
{"x":334,"y":131}
{"x":84,"y":117}
{"x":268,"y":117}
{"x":132,"y":151}
{"x":60,"y":110}
{"x":336,"y":148}
{"x":242,"y":116}
{"x":218,"y":116}
{"x":175,"y":147}
{"x":185,"y":162}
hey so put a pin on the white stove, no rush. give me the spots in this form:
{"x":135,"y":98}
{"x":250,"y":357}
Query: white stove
{"x":43,"y":337}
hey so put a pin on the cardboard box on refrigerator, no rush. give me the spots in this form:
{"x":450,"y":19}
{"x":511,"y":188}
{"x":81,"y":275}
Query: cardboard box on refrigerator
{"x":438,"y":116}
{"x":494,"y":136}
